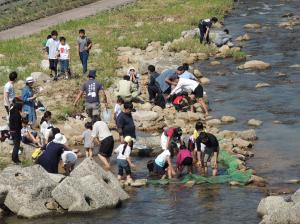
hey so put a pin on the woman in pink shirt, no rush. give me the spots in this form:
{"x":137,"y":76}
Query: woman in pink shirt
{"x":184,"y":158}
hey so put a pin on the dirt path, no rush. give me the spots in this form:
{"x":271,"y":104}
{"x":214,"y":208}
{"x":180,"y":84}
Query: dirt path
{"x":73,"y":14}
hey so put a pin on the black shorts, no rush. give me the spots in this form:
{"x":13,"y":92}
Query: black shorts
{"x":53,"y":64}
{"x":188,"y":161}
{"x":160,"y":170}
{"x":198,"y":92}
{"x":106,"y":147}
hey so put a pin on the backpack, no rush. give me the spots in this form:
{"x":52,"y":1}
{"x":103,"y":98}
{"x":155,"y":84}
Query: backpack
{"x":160,"y":101}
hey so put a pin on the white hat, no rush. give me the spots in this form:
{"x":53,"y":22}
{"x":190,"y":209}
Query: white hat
{"x":60,"y":139}
{"x":29,"y":79}
{"x":128,"y":139}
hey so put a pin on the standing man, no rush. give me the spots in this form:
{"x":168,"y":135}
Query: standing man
{"x":9,"y":92}
{"x":204,"y":27}
{"x":84,"y":45}
{"x":53,"y":44}
{"x":125,"y":123}
{"x":208,"y":152}
{"x":92,"y":88}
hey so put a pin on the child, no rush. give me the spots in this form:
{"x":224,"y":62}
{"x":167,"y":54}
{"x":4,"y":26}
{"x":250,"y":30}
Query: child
{"x":163,"y":164}
{"x":87,"y":139}
{"x":29,"y":136}
{"x":45,"y":125}
{"x":64,"y":55}
{"x":184,"y":158}
{"x":53,"y":45}
{"x":118,"y":108}
{"x":46,"y":49}
{"x":192,"y":146}
{"x":123,"y":158}
{"x":69,"y":159}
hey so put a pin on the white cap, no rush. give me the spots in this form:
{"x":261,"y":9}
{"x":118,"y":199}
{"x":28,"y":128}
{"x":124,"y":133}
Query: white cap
{"x":128,"y":139}
{"x":29,"y":79}
{"x":60,"y":139}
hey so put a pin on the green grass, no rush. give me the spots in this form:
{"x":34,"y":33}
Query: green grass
{"x":192,"y":46}
{"x":22,"y":11}
{"x":236,"y":55}
{"x":106,"y":28}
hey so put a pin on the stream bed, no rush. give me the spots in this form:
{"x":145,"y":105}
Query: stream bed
{"x":276,"y":152}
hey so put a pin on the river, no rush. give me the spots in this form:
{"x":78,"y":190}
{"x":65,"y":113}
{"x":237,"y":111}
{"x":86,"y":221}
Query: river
{"x":276,"y":152}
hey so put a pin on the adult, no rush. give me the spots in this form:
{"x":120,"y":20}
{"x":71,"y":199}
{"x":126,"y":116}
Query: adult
{"x":166,"y":79}
{"x":50,"y":158}
{"x":126,"y":89}
{"x":192,"y":86}
{"x":221,"y":37}
{"x":84,"y":45}
{"x":15,"y":127}
{"x":135,"y":78}
{"x":208,"y":152}
{"x":170,"y":137}
{"x":52,"y":46}
{"x":103,"y":137}
{"x":92,"y":88}
{"x":9,"y":92}
{"x":204,"y":27}
{"x":186,"y":74}
{"x":153,"y":89}
{"x":29,"y":97}
{"x":125,"y":123}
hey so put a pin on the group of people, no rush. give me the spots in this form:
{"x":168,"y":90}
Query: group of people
{"x":58,"y":51}
{"x":179,"y":88}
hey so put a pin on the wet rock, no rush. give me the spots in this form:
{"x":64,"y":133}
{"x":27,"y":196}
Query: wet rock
{"x":293,"y":181}
{"x":197,"y":73}
{"x":224,"y":49}
{"x":244,"y":37}
{"x":204,"y":81}
{"x":295,"y":66}
{"x":228,"y":119}
{"x":254,"y":122}
{"x":268,"y":205}
{"x":262,"y":85}
{"x":141,"y":116}
{"x":139,"y":183}
{"x":241,"y":143}
{"x":213,"y":122}
{"x":280,"y":74}
{"x":40,"y":76}
{"x":252,"y":26}
{"x":257,"y":181}
{"x":190,"y":183}
{"x":289,"y":14}
{"x":255,"y":65}
{"x":45,"y":65}
{"x":280,"y":191}
{"x":235,"y":183}
{"x":249,"y":135}
{"x":213,"y":63}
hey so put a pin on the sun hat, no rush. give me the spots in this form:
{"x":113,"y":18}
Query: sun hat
{"x":29,"y":79}
{"x":129,"y":139}
{"x":92,"y":74}
{"x":60,"y":139}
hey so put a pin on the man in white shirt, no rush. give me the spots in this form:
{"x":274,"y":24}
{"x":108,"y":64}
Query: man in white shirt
{"x":9,"y":92}
{"x":191,"y":86}
{"x":53,"y":45}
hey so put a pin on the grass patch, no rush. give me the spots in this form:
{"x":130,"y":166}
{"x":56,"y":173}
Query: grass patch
{"x":159,"y":21}
{"x":16,"y":12}
{"x":235,"y":54}
{"x":192,"y":46}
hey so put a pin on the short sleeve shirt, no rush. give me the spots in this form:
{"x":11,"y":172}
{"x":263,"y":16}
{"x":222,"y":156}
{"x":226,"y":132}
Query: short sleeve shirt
{"x":206,"y":23}
{"x":53,"y":48}
{"x":91,"y":89}
{"x":161,"y":80}
{"x":126,"y":124}
{"x":64,"y":51}
{"x":122,"y":155}
{"x":101,"y":130}
{"x":83,"y":43}
{"x":9,"y":89}
{"x":162,"y":158}
{"x":87,"y":138}
{"x":212,"y":143}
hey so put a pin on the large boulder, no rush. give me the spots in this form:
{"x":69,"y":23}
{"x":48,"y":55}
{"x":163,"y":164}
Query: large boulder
{"x":189,"y":116}
{"x":249,"y":135}
{"x":255,"y":65}
{"x":40,"y":76}
{"x":141,"y":116}
{"x":238,"y":142}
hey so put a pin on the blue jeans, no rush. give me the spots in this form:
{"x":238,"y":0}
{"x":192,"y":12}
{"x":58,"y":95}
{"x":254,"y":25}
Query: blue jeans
{"x":64,"y":65}
{"x":84,"y":56}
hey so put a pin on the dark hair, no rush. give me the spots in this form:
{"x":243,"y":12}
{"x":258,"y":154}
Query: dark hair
{"x":150,"y":165}
{"x":82,"y":31}
{"x":13,"y":76}
{"x":54,"y":132}
{"x":49,"y":36}
{"x":125,"y":146}
{"x":18,"y":105}
{"x":62,"y":39}
{"x":199,"y":125}
{"x":180,"y":68}
{"x":226,"y":31}
{"x":120,"y":100}
{"x":151,"y":68}
{"x":126,"y":77}
{"x":54,"y":33}
{"x":47,"y":114}
{"x":185,"y":66}
{"x":88,"y":125}
{"x":25,"y":120}
{"x":128,"y":105}
{"x":203,"y":138}
{"x":177,"y":132}
{"x":214,"y":19}
{"x":182,"y":146}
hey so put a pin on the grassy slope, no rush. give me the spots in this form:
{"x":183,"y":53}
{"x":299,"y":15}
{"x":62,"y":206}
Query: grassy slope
{"x":105,"y":29}
{"x":21,"y":11}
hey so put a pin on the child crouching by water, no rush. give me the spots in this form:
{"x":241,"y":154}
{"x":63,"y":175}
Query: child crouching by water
{"x":184,"y":159}
{"x":123,"y":158}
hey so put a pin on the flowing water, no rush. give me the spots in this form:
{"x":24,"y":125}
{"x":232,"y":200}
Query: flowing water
{"x":276,"y":152}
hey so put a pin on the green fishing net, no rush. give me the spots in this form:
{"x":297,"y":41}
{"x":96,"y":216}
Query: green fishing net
{"x":232,"y":173}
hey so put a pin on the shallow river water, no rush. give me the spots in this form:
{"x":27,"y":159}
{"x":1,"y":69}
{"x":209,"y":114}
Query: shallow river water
{"x":277,"y":151}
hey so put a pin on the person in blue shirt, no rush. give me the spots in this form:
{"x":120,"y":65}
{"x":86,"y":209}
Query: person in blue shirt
{"x":204,"y":27}
{"x":29,"y":97}
{"x":186,"y":74}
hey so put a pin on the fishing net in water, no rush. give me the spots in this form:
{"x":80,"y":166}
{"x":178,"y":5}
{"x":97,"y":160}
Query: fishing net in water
{"x":232,"y":173}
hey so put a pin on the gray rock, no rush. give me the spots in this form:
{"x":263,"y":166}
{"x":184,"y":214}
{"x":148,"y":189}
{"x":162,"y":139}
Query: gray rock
{"x":228,"y":119}
{"x":145,"y":116}
{"x":40,"y":76}
{"x":255,"y":65}
{"x":254,"y":122}
{"x":252,"y":26}
{"x":249,"y":135}
{"x":241,"y":143}
{"x":262,"y":85}
{"x":213,"y":122}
